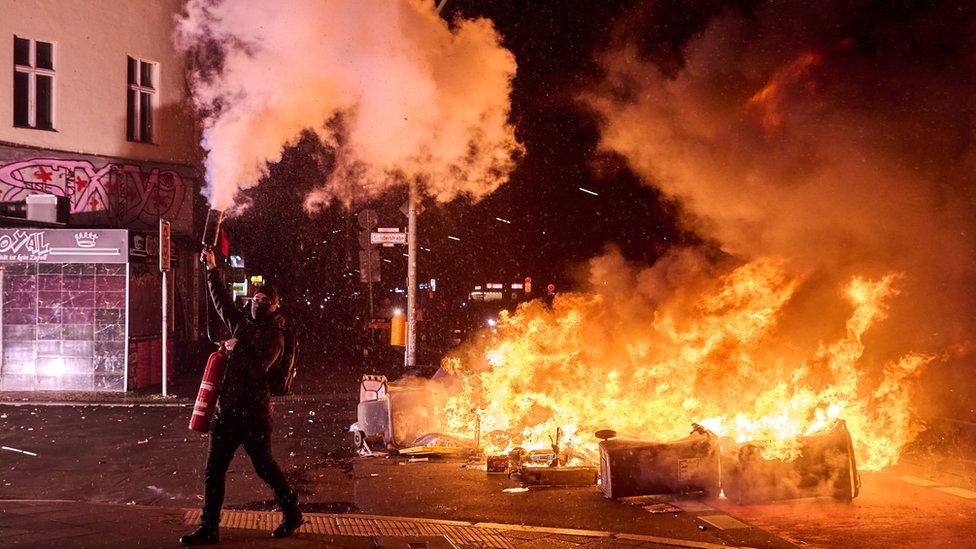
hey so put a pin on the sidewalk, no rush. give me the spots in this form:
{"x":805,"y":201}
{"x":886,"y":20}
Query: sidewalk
{"x":182,"y":391}
{"x":68,"y":524}
{"x":150,"y":400}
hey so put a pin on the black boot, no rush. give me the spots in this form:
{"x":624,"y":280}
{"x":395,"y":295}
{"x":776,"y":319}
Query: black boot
{"x":203,"y":535}
{"x":290,"y":522}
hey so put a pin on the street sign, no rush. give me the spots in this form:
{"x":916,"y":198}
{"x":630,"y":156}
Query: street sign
{"x":368,"y":219}
{"x":388,"y":239}
{"x":164,"y":246}
{"x":405,"y":209}
{"x":369,"y":265}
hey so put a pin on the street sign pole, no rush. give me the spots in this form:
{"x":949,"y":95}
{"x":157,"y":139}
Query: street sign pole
{"x":369,"y":276}
{"x":367,"y":221}
{"x":164,"y":263}
{"x":409,"y":355}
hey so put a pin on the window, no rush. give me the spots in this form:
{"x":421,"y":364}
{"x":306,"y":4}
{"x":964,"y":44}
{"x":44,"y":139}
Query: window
{"x":33,"y":84}
{"x":141,"y":100}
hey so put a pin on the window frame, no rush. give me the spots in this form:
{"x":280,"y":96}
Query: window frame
{"x":32,"y":72}
{"x":134,"y":134}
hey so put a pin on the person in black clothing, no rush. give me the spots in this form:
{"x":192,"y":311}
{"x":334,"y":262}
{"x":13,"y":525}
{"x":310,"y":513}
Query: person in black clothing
{"x":243,"y":413}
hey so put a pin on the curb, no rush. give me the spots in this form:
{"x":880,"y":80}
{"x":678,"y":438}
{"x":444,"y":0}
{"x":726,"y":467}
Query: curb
{"x":488,"y":534}
{"x":180,"y":402}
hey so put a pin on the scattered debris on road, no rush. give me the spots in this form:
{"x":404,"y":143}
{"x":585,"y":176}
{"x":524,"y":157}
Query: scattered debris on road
{"x":25,"y":452}
{"x":661,"y":509}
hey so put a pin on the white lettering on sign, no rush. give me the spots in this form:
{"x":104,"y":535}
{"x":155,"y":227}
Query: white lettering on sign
{"x":32,"y":243}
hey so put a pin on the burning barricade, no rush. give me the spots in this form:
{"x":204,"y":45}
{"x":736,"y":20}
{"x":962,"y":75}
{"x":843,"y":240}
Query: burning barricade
{"x":400,"y":417}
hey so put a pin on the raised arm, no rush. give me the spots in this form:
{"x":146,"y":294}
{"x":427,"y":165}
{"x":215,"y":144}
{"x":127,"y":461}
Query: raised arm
{"x":220,"y":297}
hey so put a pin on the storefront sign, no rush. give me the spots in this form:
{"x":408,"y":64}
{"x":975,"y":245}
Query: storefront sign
{"x":144,"y":248}
{"x":63,"y":245}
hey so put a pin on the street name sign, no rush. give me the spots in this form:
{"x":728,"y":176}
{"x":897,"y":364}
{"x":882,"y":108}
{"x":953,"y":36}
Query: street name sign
{"x":388,"y":239}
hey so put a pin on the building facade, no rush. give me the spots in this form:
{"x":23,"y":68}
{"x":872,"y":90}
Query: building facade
{"x":94,"y":108}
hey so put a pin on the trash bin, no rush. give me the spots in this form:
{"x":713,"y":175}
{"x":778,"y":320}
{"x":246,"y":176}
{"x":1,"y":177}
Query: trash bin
{"x":390,"y":414}
{"x":825,"y":467}
{"x":638,"y":468}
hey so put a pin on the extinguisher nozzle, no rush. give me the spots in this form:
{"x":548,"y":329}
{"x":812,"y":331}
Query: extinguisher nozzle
{"x":211,"y":230}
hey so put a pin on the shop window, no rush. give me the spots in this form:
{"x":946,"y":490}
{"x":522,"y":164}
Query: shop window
{"x":62,"y":326}
{"x":33,"y":84}
{"x":143,"y":77}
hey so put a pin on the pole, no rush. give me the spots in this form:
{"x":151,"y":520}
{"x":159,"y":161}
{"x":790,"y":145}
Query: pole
{"x":409,"y":355}
{"x":165,"y":330}
{"x":164,"y":265}
{"x":369,"y":282}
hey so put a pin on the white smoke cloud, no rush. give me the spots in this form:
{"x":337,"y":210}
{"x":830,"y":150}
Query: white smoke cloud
{"x":400,"y":95}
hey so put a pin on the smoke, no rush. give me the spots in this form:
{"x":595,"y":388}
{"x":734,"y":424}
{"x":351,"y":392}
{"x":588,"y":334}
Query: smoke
{"x":828,"y":149}
{"x":397,"y":93}
{"x":838,"y":136}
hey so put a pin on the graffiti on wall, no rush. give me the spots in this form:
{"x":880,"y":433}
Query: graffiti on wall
{"x":119,"y":193}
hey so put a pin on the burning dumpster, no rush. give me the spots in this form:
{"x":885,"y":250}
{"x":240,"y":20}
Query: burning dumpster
{"x":390,"y":414}
{"x":825,"y":467}
{"x":637,"y":468}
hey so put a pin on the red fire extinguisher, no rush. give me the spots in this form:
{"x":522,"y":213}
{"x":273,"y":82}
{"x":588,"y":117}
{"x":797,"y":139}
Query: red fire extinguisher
{"x":203,"y":409}
{"x":213,"y":374}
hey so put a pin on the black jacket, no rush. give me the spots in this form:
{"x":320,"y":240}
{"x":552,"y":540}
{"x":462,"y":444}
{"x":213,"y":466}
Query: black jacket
{"x":244,"y":390}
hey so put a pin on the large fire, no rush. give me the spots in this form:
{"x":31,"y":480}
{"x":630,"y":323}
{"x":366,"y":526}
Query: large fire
{"x":588,"y":363}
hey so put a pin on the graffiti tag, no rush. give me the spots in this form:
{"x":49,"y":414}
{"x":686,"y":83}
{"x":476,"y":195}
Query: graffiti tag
{"x":128,"y":193}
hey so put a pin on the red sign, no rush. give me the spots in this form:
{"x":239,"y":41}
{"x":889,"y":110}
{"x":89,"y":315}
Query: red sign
{"x":164,"y":245}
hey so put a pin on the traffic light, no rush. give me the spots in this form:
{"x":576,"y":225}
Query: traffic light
{"x":528,"y":285}
{"x":398,"y":329}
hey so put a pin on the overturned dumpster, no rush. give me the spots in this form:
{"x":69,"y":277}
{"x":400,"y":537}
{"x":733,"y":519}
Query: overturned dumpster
{"x":637,"y":468}
{"x":824,"y":467}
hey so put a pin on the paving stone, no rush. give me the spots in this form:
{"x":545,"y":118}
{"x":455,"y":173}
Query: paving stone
{"x":547,"y":543}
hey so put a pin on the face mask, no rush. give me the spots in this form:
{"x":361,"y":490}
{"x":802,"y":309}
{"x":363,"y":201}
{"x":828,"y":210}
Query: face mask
{"x":260,"y":309}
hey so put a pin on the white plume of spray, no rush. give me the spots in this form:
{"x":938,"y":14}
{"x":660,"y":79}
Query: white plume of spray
{"x":396,"y":92}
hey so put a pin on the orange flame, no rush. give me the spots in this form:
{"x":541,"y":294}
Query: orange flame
{"x":770,"y":98}
{"x":589,"y":363}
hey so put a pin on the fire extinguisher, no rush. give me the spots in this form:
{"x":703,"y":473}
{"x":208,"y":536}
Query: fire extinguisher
{"x":213,"y":374}
{"x":203,"y":409}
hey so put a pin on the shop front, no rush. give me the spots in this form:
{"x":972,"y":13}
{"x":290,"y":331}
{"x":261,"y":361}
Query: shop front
{"x":64,"y":314}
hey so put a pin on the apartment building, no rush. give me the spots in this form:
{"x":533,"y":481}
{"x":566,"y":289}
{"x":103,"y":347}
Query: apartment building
{"x":94,"y":110}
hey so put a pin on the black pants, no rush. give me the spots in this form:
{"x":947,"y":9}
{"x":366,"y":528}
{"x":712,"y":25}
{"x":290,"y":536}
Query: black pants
{"x":254,"y":433}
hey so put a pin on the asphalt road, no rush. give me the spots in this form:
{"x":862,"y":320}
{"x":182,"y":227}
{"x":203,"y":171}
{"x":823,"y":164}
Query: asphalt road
{"x":146,"y":455}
